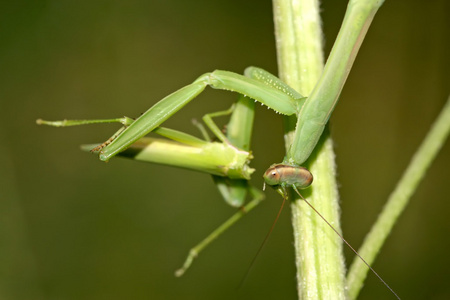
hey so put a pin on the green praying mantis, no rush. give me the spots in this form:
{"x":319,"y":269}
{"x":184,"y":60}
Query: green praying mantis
{"x":231,"y":177}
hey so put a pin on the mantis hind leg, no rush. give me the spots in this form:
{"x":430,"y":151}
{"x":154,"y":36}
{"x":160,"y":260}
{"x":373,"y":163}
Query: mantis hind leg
{"x":257,"y":197}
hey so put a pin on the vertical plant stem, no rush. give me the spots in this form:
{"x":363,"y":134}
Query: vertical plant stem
{"x":318,"y":250}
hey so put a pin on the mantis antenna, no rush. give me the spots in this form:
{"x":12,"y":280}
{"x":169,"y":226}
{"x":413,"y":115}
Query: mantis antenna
{"x":347,"y":243}
{"x":281,"y":176}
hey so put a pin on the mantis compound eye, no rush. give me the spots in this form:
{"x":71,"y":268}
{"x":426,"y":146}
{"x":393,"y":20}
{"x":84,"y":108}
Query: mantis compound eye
{"x":272,"y":176}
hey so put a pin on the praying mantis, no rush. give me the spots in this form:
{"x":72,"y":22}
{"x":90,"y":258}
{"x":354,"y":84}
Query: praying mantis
{"x":229,"y":158}
{"x":257,"y":84}
{"x":231,"y":180}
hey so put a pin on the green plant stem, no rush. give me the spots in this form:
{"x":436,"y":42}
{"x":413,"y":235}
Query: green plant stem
{"x":318,"y":251}
{"x":399,"y":199}
{"x":299,"y":39}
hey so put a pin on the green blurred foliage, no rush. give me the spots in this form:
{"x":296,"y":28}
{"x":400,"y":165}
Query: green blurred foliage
{"x":75,"y":228}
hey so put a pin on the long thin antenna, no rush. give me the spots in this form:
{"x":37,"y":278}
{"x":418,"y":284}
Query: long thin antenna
{"x":323,"y":218}
{"x":264,"y":241}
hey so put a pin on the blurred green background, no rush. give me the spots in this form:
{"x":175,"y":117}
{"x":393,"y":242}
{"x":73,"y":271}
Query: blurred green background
{"x":75,"y":228}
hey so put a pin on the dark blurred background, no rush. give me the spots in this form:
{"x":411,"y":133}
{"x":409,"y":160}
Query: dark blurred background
{"x":73,"y":227}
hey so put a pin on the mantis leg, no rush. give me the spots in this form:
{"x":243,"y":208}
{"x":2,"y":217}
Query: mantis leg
{"x":257,"y":196}
{"x":65,"y":123}
{"x":125,"y":121}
